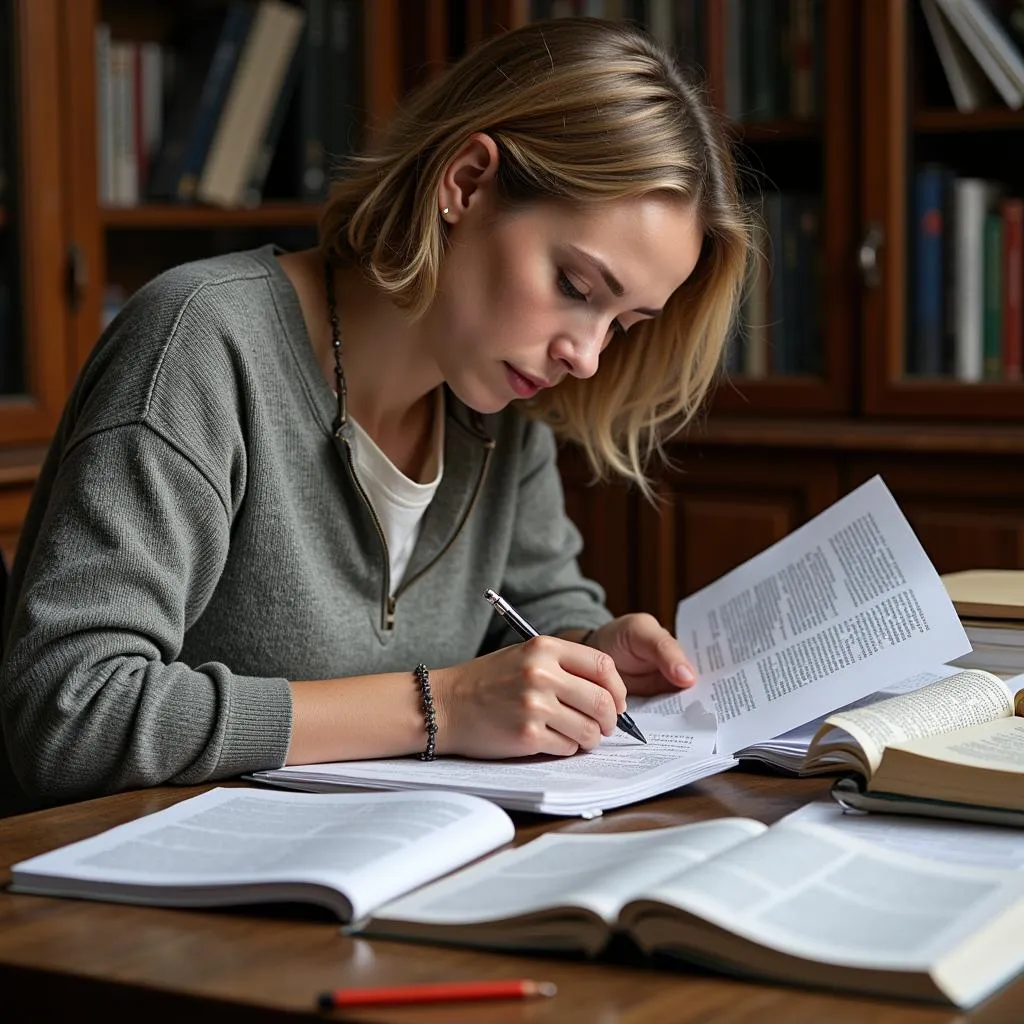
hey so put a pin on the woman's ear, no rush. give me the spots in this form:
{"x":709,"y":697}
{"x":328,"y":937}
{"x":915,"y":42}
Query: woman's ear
{"x":466,"y":180}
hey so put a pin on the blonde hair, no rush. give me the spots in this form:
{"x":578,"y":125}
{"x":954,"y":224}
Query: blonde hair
{"x":582,"y":111}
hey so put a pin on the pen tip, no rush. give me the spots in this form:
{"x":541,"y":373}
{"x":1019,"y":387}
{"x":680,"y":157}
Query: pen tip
{"x":546,"y":988}
{"x":490,"y":595}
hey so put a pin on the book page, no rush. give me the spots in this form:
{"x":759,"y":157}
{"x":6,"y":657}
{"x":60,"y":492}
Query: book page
{"x":986,"y":745}
{"x":844,"y":604}
{"x":957,"y":842}
{"x":964,"y":699}
{"x":368,"y":846}
{"x":618,"y":767}
{"x":814,"y":893}
{"x":596,"y":872}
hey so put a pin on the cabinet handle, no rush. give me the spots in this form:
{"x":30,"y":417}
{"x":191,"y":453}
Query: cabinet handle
{"x":77,"y":275}
{"x":867,"y":255}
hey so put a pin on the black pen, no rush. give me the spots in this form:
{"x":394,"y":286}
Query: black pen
{"x":526,"y":631}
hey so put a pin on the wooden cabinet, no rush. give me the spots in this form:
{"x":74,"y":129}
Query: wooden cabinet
{"x":781,"y":440}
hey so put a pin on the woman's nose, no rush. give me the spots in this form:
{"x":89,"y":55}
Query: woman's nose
{"x":581,"y":351}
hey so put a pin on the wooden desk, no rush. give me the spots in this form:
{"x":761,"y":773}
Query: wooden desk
{"x":86,"y":960}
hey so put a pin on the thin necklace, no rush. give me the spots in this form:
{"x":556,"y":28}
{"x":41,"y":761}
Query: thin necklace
{"x":339,"y":374}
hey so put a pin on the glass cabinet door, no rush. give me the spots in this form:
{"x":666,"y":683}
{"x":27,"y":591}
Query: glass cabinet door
{"x":12,"y":356}
{"x":34,"y":369}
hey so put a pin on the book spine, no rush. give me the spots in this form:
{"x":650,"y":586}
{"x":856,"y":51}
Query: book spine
{"x":773,"y":211}
{"x":755,"y":363}
{"x":122,"y":124}
{"x":971,"y":196}
{"x":1013,"y":306}
{"x":104,"y":114}
{"x":342,"y":82}
{"x":190,"y":61}
{"x":312,"y":101}
{"x":925,"y":351}
{"x":992,"y":342}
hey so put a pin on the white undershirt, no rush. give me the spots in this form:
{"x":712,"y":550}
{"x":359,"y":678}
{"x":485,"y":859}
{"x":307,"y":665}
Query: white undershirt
{"x":399,"y":502}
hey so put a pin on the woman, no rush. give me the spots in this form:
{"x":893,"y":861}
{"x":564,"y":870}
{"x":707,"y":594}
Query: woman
{"x":284,"y":481}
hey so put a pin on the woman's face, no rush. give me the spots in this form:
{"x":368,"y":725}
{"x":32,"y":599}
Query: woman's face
{"x":527,"y":298}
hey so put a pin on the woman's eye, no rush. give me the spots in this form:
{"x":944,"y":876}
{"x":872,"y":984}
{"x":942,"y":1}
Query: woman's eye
{"x":568,"y":288}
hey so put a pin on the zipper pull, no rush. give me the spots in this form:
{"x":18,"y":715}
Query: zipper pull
{"x":389,"y":613}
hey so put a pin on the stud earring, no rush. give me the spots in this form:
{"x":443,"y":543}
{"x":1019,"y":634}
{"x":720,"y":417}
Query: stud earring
{"x":444,"y":212}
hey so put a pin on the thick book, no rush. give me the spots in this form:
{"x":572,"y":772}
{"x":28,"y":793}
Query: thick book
{"x":956,"y":740}
{"x":818,"y":620}
{"x":348,"y":853}
{"x":794,"y":902}
{"x":987,"y":593}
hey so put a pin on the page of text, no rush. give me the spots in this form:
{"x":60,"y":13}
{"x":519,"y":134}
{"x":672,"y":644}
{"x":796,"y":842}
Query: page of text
{"x":363,"y":843}
{"x":809,"y":891}
{"x":967,"y":698}
{"x":843,"y":605}
{"x":598,"y":872}
{"x":957,"y":842}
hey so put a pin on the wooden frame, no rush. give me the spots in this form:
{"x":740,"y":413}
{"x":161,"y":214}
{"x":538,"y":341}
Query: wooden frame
{"x":835,"y":390}
{"x":32,"y":417}
{"x":888,"y":122}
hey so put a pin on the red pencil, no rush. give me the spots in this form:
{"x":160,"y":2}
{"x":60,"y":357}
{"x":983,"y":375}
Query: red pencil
{"x":436,"y":992}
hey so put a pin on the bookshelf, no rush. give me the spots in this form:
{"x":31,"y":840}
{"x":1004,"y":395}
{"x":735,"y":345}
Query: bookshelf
{"x":781,"y":440}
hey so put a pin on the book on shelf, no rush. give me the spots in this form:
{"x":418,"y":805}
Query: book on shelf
{"x":234,"y":31}
{"x":794,"y":902}
{"x":968,"y":83}
{"x":844,"y":604}
{"x":968,"y":278}
{"x":990,"y":45}
{"x":261,"y":73}
{"x":348,"y":853}
{"x":189,"y":54}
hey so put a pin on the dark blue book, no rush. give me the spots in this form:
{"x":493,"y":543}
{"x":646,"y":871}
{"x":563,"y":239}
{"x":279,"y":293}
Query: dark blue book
{"x":192,"y":49}
{"x":925,"y":352}
{"x":216,"y":85}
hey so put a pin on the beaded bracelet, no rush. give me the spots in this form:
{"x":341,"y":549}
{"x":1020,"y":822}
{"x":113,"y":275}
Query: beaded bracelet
{"x":422,"y":674}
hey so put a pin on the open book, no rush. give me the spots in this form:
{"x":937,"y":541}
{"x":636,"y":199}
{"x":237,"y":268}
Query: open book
{"x":788,"y":752}
{"x":847,"y":601}
{"x":348,"y":853}
{"x":794,"y":902}
{"x":956,"y":740}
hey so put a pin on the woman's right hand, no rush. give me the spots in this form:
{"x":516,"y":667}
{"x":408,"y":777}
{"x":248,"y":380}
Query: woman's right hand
{"x":544,"y":696}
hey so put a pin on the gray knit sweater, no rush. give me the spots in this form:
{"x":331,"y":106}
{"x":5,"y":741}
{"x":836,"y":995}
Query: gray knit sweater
{"x":197,"y":538}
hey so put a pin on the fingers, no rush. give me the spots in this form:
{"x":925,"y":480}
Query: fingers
{"x":655,"y":644}
{"x":586,"y":665}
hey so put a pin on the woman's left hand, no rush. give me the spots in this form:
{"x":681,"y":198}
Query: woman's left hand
{"x":647,"y":656}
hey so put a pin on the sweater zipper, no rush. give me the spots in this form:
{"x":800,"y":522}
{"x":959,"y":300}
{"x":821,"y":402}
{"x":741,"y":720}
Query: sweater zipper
{"x":389,"y":600}
{"x":408,"y":581}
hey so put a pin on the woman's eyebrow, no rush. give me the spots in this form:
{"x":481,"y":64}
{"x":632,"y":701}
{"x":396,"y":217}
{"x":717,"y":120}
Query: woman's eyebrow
{"x":614,"y":286}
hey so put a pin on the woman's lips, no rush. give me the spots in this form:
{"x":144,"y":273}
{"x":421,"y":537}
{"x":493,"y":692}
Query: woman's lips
{"x":525,"y":387}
